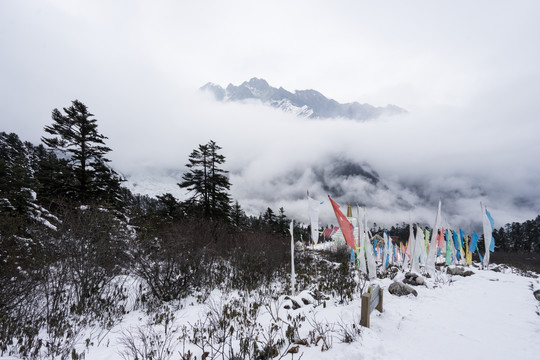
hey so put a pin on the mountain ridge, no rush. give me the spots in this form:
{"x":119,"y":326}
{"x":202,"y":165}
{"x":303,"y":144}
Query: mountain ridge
{"x":307,"y":103}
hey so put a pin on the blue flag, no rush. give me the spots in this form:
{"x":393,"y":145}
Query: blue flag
{"x":456,"y":245}
{"x":462,"y":233}
{"x":490,"y":219}
{"x":492,"y":243}
{"x":474,"y":241}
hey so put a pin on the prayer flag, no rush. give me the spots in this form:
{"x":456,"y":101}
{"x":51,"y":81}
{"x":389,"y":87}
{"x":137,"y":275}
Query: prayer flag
{"x":474,"y":241}
{"x":344,"y":224}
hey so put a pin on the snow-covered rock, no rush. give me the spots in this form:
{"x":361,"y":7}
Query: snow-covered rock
{"x":459,"y":271}
{"x":400,"y":289}
{"x":414,"y":279}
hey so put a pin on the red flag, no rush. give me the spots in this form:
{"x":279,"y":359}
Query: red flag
{"x":344,"y":224}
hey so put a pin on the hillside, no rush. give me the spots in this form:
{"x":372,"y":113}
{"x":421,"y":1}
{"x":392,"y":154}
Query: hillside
{"x":483,"y":313}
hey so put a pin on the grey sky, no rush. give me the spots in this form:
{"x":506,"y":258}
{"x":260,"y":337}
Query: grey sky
{"x":466,"y":71}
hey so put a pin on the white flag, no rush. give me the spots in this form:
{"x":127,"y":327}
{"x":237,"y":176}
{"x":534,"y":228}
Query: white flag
{"x":432,"y":254}
{"x":313,"y":211}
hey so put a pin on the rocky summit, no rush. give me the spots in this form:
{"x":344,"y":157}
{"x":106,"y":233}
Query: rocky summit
{"x":304,"y":103}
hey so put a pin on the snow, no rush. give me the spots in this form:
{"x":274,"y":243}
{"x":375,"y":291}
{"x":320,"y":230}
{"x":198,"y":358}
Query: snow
{"x":44,"y":221}
{"x":489,"y":315}
{"x":286,"y":106}
{"x":154,"y":182}
{"x":40,"y":213}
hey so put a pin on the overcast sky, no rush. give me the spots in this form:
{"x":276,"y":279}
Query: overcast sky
{"x":467,"y":71}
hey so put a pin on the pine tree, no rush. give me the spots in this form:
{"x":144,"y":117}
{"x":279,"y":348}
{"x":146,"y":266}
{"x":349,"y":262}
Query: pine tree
{"x":16,"y":174}
{"x":283,"y":228}
{"x":269,"y":217}
{"x":170,"y":207}
{"x":75,"y":135}
{"x":239,"y":218}
{"x":207,"y":182}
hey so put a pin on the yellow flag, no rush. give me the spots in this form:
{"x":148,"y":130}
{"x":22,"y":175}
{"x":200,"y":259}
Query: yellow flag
{"x":468,"y":257}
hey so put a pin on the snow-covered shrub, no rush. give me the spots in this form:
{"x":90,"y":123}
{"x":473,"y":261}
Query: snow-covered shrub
{"x":321,"y":333}
{"x":72,"y":269}
{"x":157,"y":340}
{"x":169,"y":261}
{"x":257,"y":259}
{"x":349,"y":332}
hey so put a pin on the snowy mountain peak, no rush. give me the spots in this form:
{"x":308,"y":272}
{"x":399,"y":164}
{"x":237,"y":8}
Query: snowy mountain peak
{"x":305,"y":103}
{"x":257,"y":83}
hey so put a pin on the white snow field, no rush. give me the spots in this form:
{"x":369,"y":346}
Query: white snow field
{"x":489,"y":315}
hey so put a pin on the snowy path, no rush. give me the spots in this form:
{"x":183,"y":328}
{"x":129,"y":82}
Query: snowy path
{"x":487,"y":316}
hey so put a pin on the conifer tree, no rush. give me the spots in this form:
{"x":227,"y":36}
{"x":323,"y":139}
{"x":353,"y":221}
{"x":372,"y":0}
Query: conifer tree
{"x":239,"y":218}
{"x":16,"y":174}
{"x":282,"y":222}
{"x":75,"y":135}
{"x":207,"y":182}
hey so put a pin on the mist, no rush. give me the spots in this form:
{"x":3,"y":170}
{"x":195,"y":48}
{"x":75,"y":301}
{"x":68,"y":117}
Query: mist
{"x":470,"y":135}
{"x":420,"y":158}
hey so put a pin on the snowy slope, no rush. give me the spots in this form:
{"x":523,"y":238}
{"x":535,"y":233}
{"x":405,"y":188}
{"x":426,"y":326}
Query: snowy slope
{"x":490,"y":315}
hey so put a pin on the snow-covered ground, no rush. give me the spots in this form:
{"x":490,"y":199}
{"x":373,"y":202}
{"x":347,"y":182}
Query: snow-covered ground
{"x":489,"y":315}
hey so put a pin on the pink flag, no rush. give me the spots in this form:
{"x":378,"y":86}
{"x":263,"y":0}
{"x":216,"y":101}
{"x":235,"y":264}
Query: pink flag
{"x":440,"y":236}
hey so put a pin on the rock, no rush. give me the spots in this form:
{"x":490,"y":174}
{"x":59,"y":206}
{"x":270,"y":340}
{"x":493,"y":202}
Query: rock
{"x":537,"y":294}
{"x":413,"y":279}
{"x":400,"y":289}
{"x":459,"y":271}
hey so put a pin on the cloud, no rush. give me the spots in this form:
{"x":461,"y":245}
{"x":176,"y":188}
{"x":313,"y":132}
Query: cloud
{"x":274,"y":157}
{"x":471,"y":91}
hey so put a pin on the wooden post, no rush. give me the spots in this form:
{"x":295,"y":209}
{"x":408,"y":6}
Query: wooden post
{"x":372,"y":299}
{"x":379,"y":305}
{"x":364,"y":315}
